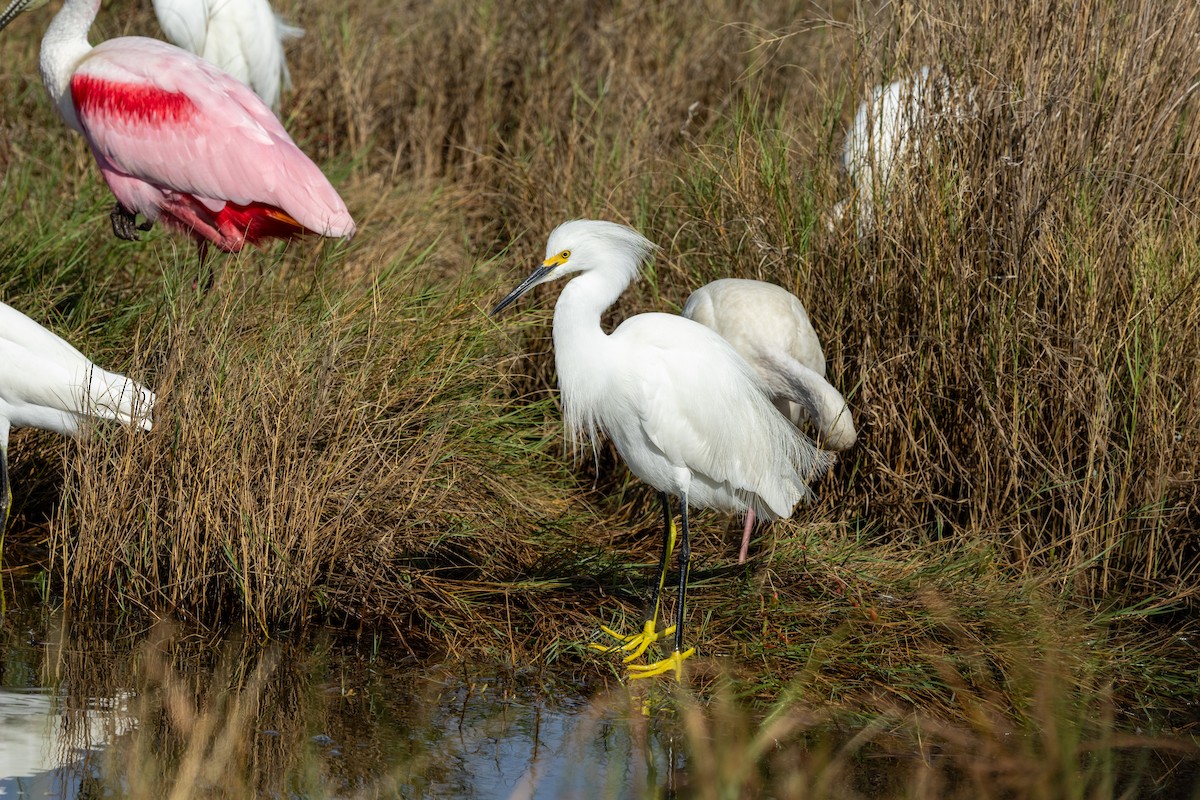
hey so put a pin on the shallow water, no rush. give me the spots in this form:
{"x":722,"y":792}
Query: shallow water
{"x":87,"y":711}
{"x":90,"y":710}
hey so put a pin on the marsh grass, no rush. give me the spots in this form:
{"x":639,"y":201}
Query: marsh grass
{"x":343,"y":436}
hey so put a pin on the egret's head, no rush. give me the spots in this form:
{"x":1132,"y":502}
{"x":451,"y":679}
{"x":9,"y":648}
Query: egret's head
{"x":15,"y":8}
{"x":584,"y":244}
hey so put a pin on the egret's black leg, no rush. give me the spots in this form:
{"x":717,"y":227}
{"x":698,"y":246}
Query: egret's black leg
{"x":685,"y":562}
{"x":636,"y":643}
{"x":5,"y":504}
{"x":668,"y":544}
{"x":675,"y":660}
{"x":124,"y":224}
{"x":5,"y":496}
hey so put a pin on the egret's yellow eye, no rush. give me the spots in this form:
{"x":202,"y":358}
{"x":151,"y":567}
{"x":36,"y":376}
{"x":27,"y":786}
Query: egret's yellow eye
{"x":564,"y":255}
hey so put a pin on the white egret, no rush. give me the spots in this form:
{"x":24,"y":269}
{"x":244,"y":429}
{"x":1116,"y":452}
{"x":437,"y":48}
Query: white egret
{"x":46,"y":383}
{"x":885,"y":135}
{"x":769,"y":327}
{"x":243,"y":37}
{"x":687,"y":414}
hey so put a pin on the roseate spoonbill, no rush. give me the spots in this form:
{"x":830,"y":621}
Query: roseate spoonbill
{"x":686,"y":412}
{"x":243,"y":37}
{"x":769,"y":327}
{"x":178,"y":140}
{"x":46,"y":383}
{"x":885,"y":135}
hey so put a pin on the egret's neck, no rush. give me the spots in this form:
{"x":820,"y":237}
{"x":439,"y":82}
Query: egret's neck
{"x":582,"y":348}
{"x":63,"y":47}
{"x":582,"y":301}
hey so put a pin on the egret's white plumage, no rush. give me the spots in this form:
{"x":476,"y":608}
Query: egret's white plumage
{"x":769,"y":327}
{"x":886,"y":131}
{"x":243,"y":37}
{"x":687,"y":414}
{"x":46,"y":383}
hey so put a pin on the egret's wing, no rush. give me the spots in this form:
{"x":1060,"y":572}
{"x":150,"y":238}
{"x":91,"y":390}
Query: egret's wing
{"x":705,"y":408}
{"x":22,"y":332}
{"x":170,"y":118}
{"x":184,"y":22}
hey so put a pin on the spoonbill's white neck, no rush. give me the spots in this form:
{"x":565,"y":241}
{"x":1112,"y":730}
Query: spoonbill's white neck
{"x":63,"y":47}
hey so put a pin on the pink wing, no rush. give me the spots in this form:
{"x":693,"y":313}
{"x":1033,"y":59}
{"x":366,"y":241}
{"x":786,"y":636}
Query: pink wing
{"x":171,"y":119}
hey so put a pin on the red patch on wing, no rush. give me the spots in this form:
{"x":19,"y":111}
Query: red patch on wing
{"x":258,"y":221}
{"x":130,"y":101}
{"x":234,"y":226}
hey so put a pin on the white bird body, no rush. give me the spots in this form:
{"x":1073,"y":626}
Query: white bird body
{"x":770,"y":328}
{"x":885,"y":135}
{"x":668,"y":437}
{"x":46,"y":383}
{"x":665,"y":389}
{"x":687,"y":414}
{"x":243,"y":37}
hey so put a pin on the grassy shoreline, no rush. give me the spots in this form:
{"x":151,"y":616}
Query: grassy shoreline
{"x":344,"y":437}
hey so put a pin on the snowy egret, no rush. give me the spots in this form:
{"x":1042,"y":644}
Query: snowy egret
{"x":687,"y":414}
{"x":180,"y":141}
{"x":243,"y":37}
{"x":46,"y":383}
{"x":885,"y":135}
{"x":769,"y":327}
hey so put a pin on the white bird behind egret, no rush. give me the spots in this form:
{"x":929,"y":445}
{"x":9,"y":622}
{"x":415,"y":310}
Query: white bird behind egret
{"x":243,"y":37}
{"x":769,"y":327}
{"x":885,"y":135}
{"x":46,"y":383}
{"x":687,"y":414}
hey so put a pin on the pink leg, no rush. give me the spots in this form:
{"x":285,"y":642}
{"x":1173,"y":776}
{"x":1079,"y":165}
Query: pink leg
{"x":746,"y":536}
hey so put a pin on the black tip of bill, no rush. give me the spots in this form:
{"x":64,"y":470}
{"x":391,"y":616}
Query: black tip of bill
{"x":536,"y":277}
{"x":11,"y":13}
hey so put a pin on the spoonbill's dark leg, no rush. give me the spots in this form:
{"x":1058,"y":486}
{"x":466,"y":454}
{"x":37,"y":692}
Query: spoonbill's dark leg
{"x":124,"y":224}
{"x":205,"y":279}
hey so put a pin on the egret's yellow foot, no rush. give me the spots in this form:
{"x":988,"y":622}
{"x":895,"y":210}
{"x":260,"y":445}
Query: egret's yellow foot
{"x":673,"y":661}
{"x":635,"y":643}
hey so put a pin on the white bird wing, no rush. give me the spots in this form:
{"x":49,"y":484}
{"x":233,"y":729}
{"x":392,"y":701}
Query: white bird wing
{"x":184,"y":22}
{"x":47,"y":383}
{"x":22,"y":332}
{"x":707,"y":410}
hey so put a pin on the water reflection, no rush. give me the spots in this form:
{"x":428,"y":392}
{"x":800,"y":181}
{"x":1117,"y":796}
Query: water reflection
{"x":169,"y":711}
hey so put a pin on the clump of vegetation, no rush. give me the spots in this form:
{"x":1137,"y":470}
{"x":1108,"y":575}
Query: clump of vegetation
{"x":344,"y":436}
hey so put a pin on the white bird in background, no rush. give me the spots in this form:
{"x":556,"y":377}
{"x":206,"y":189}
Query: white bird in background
{"x":687,"y":414}
{"x":769,"y":327}
{"x":46,"y":383}
{"x":243,"y":37}
{"x":885,"y":135}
